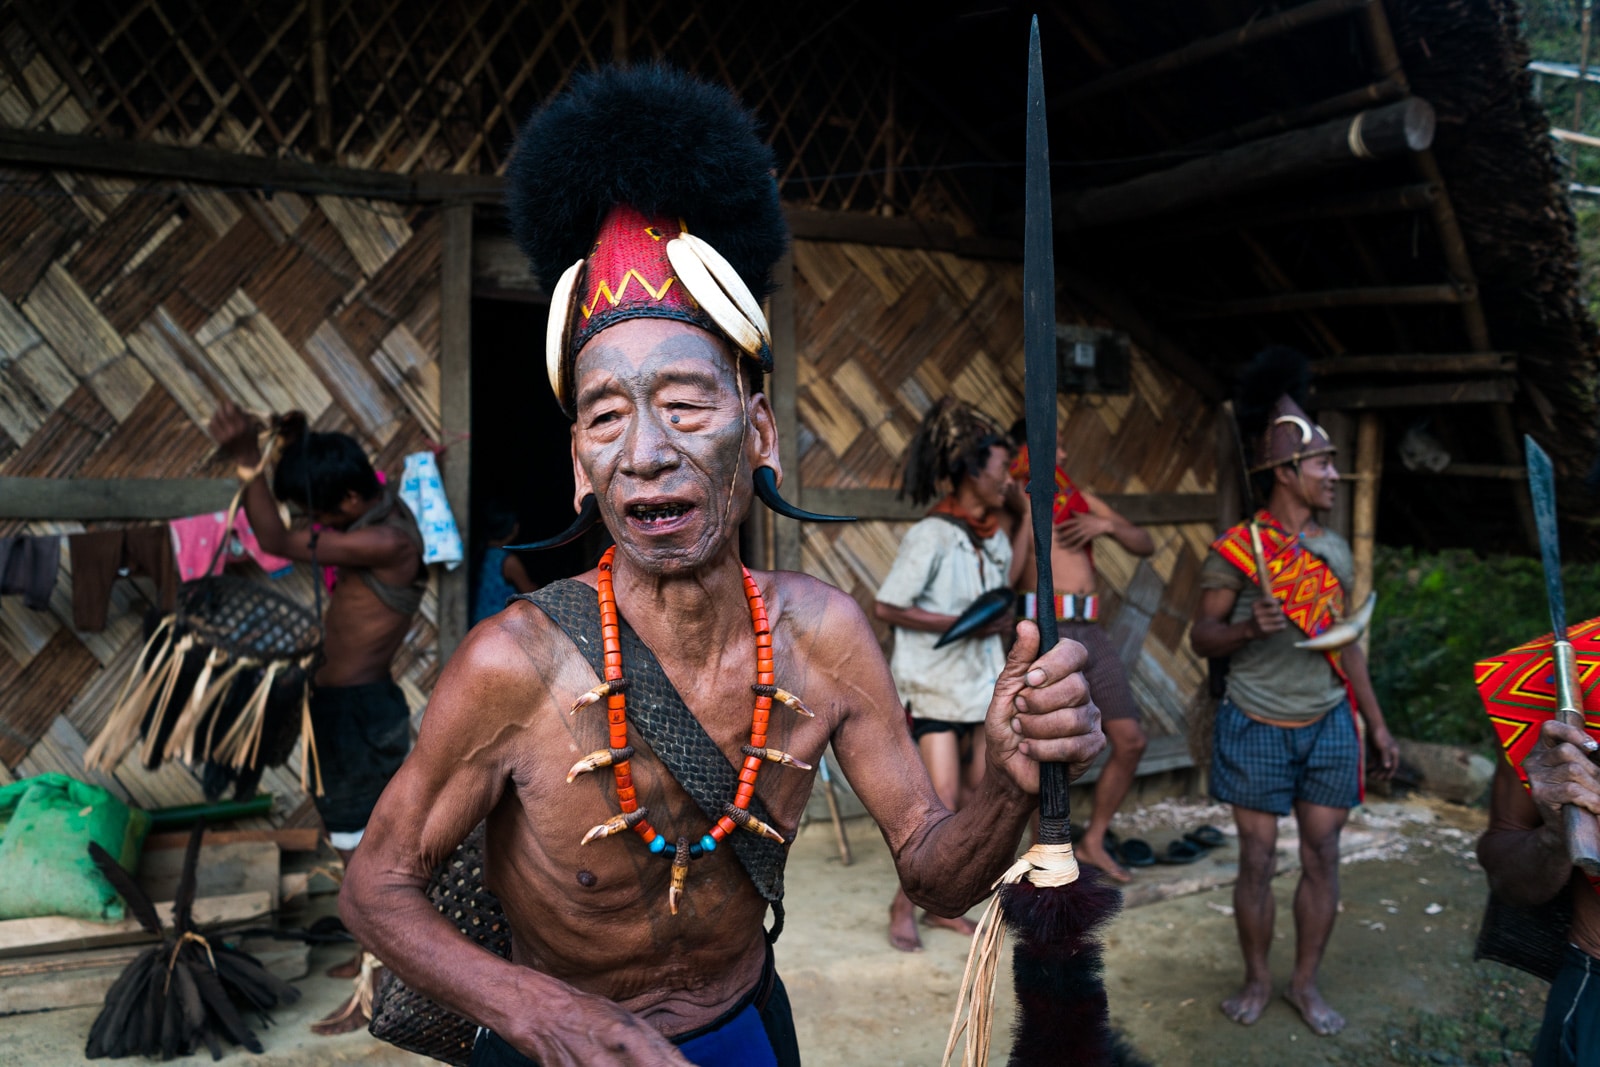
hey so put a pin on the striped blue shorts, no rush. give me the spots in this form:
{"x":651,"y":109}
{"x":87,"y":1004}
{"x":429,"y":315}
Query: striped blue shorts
{"x":1267,"y":768}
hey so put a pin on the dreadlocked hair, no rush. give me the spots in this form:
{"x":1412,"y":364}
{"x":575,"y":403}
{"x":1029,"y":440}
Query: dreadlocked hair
{"x":952,"y":443}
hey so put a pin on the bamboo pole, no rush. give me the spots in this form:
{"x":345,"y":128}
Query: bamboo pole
{"x":1397,"y":129}
{"x":1379,"y":92}
{"x":1583,"y":66}
{"x":1364,"y":516}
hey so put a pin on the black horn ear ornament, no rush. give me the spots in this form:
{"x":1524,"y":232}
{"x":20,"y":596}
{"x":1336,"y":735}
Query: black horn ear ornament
{"x":766,"y":480}
{"x":588,"y":515}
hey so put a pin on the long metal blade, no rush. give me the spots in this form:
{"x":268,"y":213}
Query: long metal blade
{"x":1542,"y":486}
{"x":1039,"y":337}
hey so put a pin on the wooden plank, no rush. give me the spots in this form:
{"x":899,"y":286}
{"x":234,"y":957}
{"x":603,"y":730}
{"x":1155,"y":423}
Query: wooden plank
{"x":223,"y":870}
{"x":295,"y":839}
{"x":455,"y":410}
{"x":1141,"y":508}
{"x":82,"y":979}
{"x":212,"y":166}
{"x":1472,"y":391}
{"x":1410,"y":363}
{"x":1219,"y":44}
{"x":57,"y":933}
{"x":86,"y":499}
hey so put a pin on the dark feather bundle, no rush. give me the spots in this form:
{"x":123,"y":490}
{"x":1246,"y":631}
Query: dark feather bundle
{"x":1276,"y":370}
{"x":185,"y":992}
{"x":660,"y":141}
{"x":1059,"y":971}
{"x":951,"y":443}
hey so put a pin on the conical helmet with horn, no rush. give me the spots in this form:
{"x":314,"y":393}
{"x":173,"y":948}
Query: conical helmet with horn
{"x":644,"y":193}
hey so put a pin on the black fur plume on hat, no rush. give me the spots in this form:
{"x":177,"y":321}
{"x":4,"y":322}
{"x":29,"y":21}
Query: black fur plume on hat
{"x":660,"y":141}
{"x":1276,"y":370}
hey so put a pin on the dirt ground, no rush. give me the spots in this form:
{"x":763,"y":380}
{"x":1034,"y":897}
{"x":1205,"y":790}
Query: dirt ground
{"x":1399,"y":967}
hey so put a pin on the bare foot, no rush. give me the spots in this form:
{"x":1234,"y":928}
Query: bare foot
{"x":1095,"y":855}
{"x":1317,"y":1013}
{"x":348,"y":969}
{"x":960,"y":924}
{"x":1246,"y":1006}
{"x":903,"y":925}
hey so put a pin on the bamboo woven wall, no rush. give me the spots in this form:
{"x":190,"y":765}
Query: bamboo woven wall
{"x":441,"y":87}
{"x":126,"y":311}
{"x":882,"y":332}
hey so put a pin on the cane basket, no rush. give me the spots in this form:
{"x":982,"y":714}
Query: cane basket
{"x":404,"y":1017}
{"x":1529,"y":939}
{"x":224,"y":681}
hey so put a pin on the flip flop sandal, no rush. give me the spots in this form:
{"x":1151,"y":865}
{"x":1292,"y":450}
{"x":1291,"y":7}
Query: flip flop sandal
{"x":1206,"y":837}
{"x":1136,"y":853}
{"x":1179,"y":852}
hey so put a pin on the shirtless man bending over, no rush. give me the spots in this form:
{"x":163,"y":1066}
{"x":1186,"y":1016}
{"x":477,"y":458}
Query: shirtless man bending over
{"x":622,"y":955}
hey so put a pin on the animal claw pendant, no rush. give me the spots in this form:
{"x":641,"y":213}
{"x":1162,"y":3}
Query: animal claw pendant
{"x":604,"y":757}
{"x":613,"y":690}
{"x":600,"y":692}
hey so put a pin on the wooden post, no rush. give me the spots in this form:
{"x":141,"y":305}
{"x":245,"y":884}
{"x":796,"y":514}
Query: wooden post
{"x":1341,"y":431}
{"x":1406,"y":126}
{"x":317,"y":18}
{"x":1583,"y":66}
{"x":781,"y":395}
{"x":1364,"y":521}
{"x":455,"y":409}
{"x":1231,"y":496}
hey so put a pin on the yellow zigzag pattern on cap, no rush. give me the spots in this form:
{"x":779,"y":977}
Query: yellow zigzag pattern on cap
{"x":614,"y":299}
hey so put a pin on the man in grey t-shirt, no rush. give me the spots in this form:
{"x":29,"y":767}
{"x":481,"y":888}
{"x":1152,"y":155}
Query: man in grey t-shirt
{"x":1285,"y":737}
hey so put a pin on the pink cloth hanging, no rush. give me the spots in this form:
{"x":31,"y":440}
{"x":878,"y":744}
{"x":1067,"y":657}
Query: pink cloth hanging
{"x":194,"y":542}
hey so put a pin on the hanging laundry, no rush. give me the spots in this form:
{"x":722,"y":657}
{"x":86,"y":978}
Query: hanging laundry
{"x":101,"y":557}
{"x":28,"y":567}
{"x":422,"y":489}
{"x":194,"y":542}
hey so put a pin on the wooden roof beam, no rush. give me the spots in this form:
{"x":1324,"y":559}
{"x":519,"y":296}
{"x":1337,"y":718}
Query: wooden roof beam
{"x":1498,"y":390}
{"x":1466,"y":363}
{"x":1405,"y":198}
{"x":1252,"y":32}
{"x":1401,"y":128}
{"x":209,"y":165}
{"x":1367,"y":296}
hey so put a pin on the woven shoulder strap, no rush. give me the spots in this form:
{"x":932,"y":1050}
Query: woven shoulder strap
{"x":665,"y":723}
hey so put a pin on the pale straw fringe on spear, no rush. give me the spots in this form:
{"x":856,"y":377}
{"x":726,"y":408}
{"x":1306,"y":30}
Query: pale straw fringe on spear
{"x":1042,"y":865}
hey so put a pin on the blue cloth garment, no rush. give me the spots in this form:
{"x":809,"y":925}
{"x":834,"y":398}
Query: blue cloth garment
{"x":1263,"y":767}
{"x":493,"y":590}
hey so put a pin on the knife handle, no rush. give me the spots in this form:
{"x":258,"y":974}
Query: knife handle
{"x":1583,"y":829}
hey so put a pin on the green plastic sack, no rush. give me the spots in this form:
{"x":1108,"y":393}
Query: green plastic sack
{"x":46,"y":824}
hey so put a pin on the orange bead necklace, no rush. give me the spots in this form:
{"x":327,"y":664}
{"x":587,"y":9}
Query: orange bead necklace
{"x":613,"y":689}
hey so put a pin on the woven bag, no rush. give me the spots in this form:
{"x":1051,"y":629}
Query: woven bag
{"x":1529,"y":939}
{"x":224,"y":680}
{"x":404,"y":1017}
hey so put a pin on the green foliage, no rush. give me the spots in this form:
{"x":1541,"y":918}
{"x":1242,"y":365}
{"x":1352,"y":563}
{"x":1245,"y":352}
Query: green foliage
{"x":1439,"y":614}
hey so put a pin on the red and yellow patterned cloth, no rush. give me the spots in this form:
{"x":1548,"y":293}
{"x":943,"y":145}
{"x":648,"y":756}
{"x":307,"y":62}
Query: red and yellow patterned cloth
{"x":1069,"y":500}
{"x":1305,"y":585}
{"x":1518,"y":689}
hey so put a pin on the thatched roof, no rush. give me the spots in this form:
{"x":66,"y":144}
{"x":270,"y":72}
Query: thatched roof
{"x":1474,"y":252}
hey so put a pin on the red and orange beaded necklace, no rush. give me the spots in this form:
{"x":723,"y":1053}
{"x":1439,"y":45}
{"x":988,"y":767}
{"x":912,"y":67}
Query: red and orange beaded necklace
{"x":613,"y":689}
